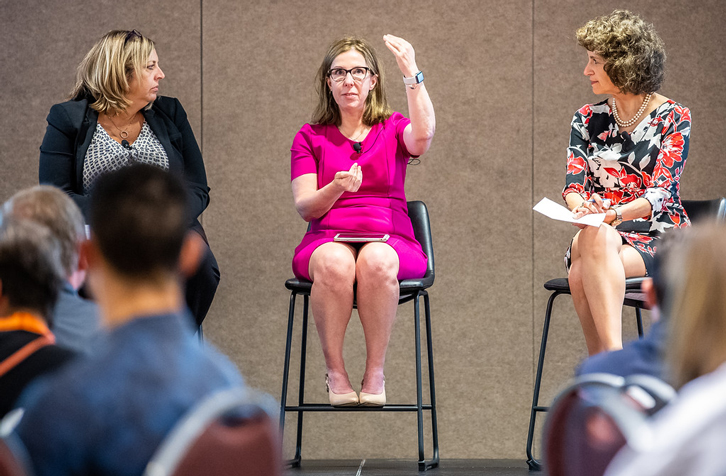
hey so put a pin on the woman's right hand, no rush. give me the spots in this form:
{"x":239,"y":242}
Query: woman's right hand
{"x":349,"y":181}
{"x":594,"y":205}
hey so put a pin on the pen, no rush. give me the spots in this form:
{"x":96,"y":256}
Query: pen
{"x":605,"y":202}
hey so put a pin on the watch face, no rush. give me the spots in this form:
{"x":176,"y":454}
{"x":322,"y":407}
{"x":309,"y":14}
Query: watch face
{"x":419,"y":77}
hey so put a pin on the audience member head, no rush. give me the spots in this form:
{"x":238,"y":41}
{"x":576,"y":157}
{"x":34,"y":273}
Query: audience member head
{"x":633,"y":52}
{"x":56,"y":211}
{"x":698,"y":326}
{"x":104,"y":74}
{"x":657,"y":289}
{"x":31,"y":273}
{"x":138,"y":221}
{"x":377,"y":108}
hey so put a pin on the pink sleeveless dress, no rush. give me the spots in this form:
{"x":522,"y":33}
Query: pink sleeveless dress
{"x":379,"y":206}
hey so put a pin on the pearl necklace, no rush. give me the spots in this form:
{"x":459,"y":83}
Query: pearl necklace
{"x":635,"y":118}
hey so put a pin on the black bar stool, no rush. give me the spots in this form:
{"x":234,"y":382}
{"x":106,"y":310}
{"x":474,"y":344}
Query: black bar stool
{"x":697,"y":210}
{"x":410,"y":290}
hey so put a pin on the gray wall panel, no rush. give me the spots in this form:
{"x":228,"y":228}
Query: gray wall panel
{"x":505,"y":79}
{"x":259,"y":63}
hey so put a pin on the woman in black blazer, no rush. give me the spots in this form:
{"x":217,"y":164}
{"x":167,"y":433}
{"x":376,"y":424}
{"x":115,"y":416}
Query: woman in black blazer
{"x":115,"y":118}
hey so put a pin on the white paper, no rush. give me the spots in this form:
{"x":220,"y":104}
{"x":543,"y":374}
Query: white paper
{"x":557,"y":212}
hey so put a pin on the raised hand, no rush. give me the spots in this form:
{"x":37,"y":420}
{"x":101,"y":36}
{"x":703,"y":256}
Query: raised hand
{"x":349,"y":181}
{"x":405,"y":56}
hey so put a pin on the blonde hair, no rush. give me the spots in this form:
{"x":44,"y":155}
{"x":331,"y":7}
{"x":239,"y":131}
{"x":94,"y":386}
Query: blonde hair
{"x":633,"y":52}
{"x":327,"y":111}
{"x":698,"y":322}
{"x":103,"y":75}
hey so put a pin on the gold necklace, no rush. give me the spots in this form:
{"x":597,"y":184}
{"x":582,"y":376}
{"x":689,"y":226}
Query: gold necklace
{"x":123,"y":133}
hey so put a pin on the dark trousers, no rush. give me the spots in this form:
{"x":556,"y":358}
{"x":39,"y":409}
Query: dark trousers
{"x":202,"y":286}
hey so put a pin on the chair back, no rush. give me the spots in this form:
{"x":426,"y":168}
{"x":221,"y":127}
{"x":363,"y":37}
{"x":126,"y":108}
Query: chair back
{"x":419,"y":215}
{"x":698,"y":210}
{"x":232,"y":432}
{"x":13,"y":459}
{"x":597,"y":415}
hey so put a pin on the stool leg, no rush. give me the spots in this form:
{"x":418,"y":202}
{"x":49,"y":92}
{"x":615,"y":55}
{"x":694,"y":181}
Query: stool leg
{"x":639,"y":320}
{"x":301,"y":397}
{"x":419,"y":391}
{"x":432,"y":387}
{"x":286,"y":368}
{"x":533,"y":463}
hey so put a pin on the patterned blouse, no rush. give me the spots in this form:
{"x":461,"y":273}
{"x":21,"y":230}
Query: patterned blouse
{"x":622,"y":166}
{"x":106,"y":155}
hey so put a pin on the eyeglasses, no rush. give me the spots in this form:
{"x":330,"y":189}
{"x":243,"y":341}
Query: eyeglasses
{"x":132,"y":34}
{"x":358,"y":73}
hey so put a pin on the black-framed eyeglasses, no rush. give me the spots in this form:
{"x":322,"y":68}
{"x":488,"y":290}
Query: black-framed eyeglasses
{"x":132,"y":34}
{"x":358,"y":73}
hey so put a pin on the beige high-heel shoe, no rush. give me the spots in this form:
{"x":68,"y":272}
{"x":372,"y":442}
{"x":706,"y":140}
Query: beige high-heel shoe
{"x":373,"y":399}
{"x":349,"y":399}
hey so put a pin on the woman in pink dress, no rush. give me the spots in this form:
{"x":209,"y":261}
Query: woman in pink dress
{"x":348,"y":169}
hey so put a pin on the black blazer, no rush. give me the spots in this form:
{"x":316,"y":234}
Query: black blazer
{"x":70,"y":129}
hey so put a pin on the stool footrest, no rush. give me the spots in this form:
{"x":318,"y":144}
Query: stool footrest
{"x":541,"y":409}
{"x":325,"y":407}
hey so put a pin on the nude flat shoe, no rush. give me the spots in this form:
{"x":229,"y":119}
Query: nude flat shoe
{"x":373,"y":399}
{"x":349,"y":399}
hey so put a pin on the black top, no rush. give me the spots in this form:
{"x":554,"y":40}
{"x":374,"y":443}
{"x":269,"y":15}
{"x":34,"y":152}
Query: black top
{"x":45,"y":359}
{"x":69,"y":133}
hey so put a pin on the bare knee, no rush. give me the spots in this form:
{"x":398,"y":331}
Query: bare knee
{"x":333,"y":267}
{"x":378,"y":264}
{"x":596,"y":242}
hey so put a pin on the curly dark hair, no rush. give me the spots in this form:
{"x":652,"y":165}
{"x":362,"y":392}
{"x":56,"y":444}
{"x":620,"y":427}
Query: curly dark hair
{"x":633,"y":52}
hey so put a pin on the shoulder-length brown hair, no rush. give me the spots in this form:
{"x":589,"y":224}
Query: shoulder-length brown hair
{"x":103,"y":75}
{"x":698,"y":319}
{"x":327,"y":111}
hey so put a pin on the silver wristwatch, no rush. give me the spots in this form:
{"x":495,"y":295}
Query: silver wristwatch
{"x":412,"y":82}
{"x":618,"y":218}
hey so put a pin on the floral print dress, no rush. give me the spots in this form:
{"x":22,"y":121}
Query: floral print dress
{"x":622,"y":167}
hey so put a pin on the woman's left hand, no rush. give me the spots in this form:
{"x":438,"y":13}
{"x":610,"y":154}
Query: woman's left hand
{"x":405,"y":56}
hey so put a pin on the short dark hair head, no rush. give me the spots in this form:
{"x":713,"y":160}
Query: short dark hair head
{"x":138,"y":219}
{"x":55,"y":210}
{"x":30,"y":267}
{"x":633,"y":52}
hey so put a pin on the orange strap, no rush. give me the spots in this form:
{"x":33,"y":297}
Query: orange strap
{"x":24,"y":352}
{"x":24,"y":321}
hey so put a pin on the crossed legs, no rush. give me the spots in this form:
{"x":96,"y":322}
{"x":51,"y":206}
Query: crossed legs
{"x":600,"y":264}
{"x":334,"y":268}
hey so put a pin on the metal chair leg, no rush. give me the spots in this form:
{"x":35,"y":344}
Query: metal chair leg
{"x":419,"y":392}
{"x":286,"y":368}
{"x":531,"y":461}
{"x":301,"y":397}
{"x":432,"y":387}
{"x":639,"y":320}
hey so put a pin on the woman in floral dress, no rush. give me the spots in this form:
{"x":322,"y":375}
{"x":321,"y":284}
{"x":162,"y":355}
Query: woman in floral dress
{"x":625,"y":159}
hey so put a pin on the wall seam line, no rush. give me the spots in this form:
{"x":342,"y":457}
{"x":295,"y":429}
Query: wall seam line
{"x":532,"y":192}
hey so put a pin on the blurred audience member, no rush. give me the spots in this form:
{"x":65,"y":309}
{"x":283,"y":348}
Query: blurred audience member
{"x":107,"y":413}
{"x":30,"y":278}
{"x":688,"y":435}
{"x":75,"y":320}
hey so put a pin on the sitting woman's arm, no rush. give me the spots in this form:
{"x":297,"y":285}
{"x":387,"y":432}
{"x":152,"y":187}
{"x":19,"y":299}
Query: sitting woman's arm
{"x":420,"y":132}
{"x":312,"y":203}
{"x":576,"y":193}
{"x":56,"y":166}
